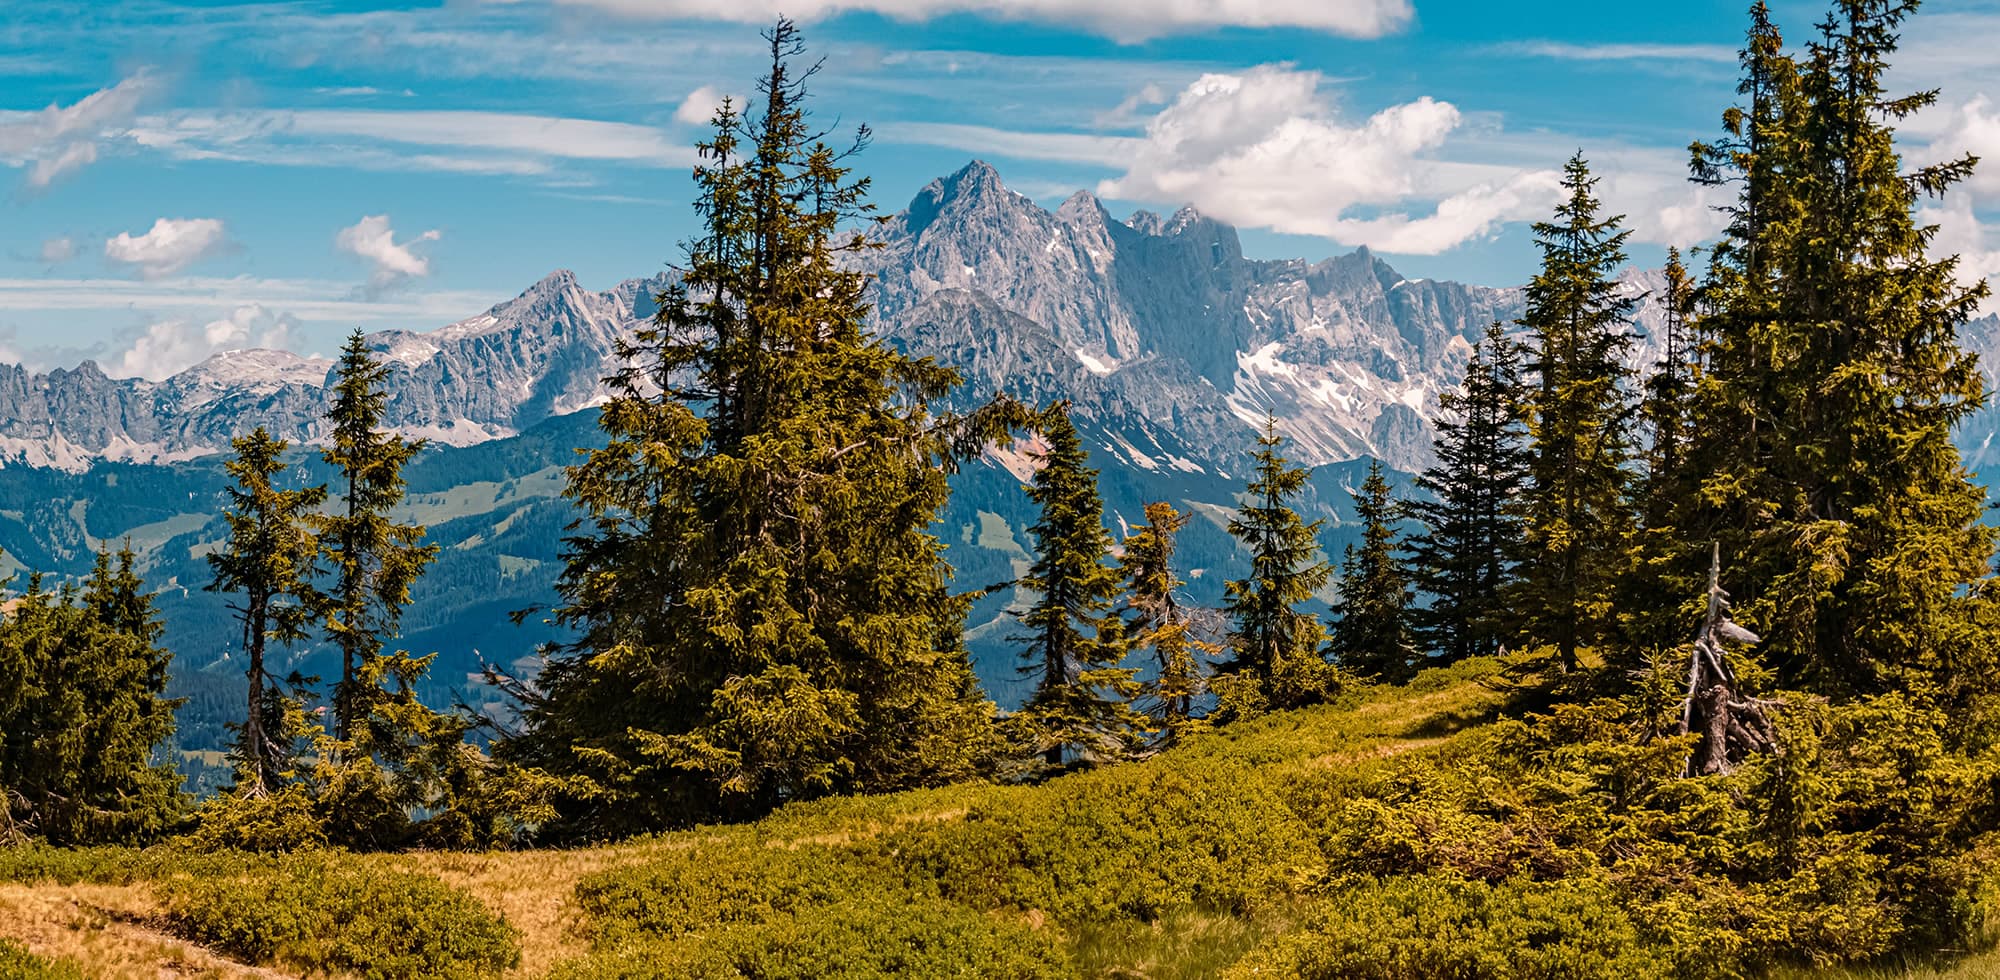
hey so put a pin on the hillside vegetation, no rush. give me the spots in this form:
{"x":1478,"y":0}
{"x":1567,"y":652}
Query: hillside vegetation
{"x":1405,"y":832}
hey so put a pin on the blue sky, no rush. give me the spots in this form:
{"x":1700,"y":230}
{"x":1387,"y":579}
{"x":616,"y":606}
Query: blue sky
{"x":180,"y":178}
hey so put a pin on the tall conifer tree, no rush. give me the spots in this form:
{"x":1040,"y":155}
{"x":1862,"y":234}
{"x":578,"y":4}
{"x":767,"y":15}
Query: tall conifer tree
{"x":1371,"y":635}
{"x":1578,"y":514}
{"x":1834,"y":374}
{"x":762,"y":612}
{"x":1461,"y":554}
{"x":373,"y":558}
{"x":1272,"y":643}
{"x":269,"y":560}
{"x":1156,"y":619}
{"x":84,"y":719}
{"x":1082,"y":704}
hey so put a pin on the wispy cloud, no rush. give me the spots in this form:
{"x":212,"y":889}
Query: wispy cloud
{"x":461,"y":141}
{"x":1722,"y":53}
{"x":58,"y":140}
{"x":187,"y":297}
{"x":1123,"y":20}
{"x":993,"y":141}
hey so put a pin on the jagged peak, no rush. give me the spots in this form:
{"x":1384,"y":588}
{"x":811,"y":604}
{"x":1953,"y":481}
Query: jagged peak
{"x":1183,"y":218}
{"x":1082,"y":204}
{"x":555,"y":282}
{"x":1146,"y":222}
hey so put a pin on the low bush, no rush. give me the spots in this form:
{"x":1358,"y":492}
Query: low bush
{"x":1428,"y":926}
{"x":17,"y":963}
{"x":860,"y":938}
{"x":316,"y":913}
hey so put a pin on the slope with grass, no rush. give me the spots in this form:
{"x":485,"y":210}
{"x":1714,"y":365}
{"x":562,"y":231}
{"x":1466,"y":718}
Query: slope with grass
{"x":1320,"y":842}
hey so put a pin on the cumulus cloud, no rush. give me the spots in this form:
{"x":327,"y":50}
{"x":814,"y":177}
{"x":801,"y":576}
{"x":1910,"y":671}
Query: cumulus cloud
{"x":172,"y":346}
{"x":372,"y":239}
{"x":1124,"y":20}
{"x":1961,"y":233}
{"x":59,"y":139}
{"x":171,"y":245}
{"x":1262,"y":149}
{"x":700,"y":105}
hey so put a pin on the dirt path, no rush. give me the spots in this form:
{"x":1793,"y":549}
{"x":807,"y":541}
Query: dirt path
{"x":104,"y":929}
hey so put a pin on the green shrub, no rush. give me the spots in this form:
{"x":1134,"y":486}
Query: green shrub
{"x":1135,"y":840}
{"x":863,"y":938}
{"x":33,"y":862}
{"x":1466,"y":930}
{"x":276,"y":822}
{"x":311,"y":912}
{"x":700,"y":889}
{"x":17,"y":963}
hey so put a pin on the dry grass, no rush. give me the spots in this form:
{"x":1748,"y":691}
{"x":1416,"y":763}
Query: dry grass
{"x":104,"y":929}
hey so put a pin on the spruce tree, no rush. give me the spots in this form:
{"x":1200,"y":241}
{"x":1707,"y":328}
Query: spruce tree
{"x":269,"y":560}
{"x":373,"y":558}
{"x":1156,"y":619}
{"x":1371,"y":634}
{"x":1461,"y":554}
{"x":1082,"y":705}
{"x":1275,"y":647}
{"x":762,"y":613}
{"x":1577,"y":512}
{"x":1655,"y":597}
{"x":84,"y":720}
{"x":1834,"y":375}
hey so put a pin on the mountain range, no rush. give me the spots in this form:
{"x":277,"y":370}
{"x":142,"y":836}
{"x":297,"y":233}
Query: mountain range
{"x":1170,"y":344}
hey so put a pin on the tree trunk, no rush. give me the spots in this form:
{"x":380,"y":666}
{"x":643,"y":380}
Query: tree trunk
{"x":1731,"y":727}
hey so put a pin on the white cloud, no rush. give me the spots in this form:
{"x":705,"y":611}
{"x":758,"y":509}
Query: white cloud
{"x":1124,"y":20}
{"x":1961,"y":233}
{"x":60,"y":139}
{"x":171,"y":245}
{"x":700,"y":105}
{"x":372,"y":239}
{"x":1261,"y":149}
{"x":194,"y":297}
{"x":58,"y":250}
{"x":1721,"y":53}
{"x":172,"y":346}
{"x":478,"y":142}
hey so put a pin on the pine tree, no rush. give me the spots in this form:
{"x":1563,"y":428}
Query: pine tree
{"x":1273,"y":645}
{"x":1082,"y":705}
{"x":761,"y":611}
{"x":1578,"y":515}
{"x":82,"y":729}
{"x":1371,"y":637}
{"x":1461,"y":553}
{"x":1156,"y":619}
{"x":270,"y":560}
{"x":374,"y":559}
{"x":1833,"y":373}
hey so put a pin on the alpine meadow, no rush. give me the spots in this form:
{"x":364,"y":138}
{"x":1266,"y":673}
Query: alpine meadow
{"x":989,"y":590}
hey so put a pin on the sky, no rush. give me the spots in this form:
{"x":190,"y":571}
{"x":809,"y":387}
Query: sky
{"x":181,"y":178}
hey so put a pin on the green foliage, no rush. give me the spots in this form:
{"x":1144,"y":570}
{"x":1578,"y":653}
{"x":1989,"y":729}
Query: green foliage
{"x":1822,"y":421}
{"x":1462,"y":553}
{"x":762,"y":613}
{"x":17,"y":963}
{"x":1157,"y":620}
{"x":82,"y":718}
{"x":1372,"y":637}
{"x":316,"y":914}
{"x":1275,"y":648}
{"x":270,"y":822}
{"x":1469,"y":930}
{"x":373,"y":558}
{"x":1576,"y":513}
{"x":269,"y":559}
{"x":1082,"y":705}
{"x":851,"y":938}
